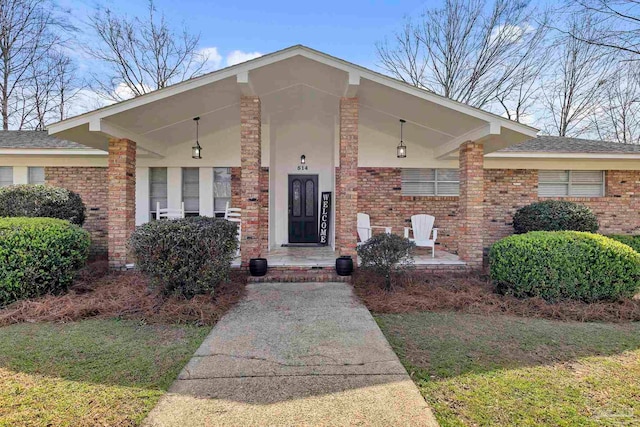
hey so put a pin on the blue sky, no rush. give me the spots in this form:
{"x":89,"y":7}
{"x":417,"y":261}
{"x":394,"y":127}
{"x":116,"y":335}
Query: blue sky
{"x":347,"y":29}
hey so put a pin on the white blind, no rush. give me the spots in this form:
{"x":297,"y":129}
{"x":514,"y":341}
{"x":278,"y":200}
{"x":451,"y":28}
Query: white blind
{"x":36,"y":175}
{"x":191,"y":189}
{"x":560,"y":183}
{"x":430,"y":182}
{"x":221,"y":188}
{"x":6,"y":176}
{"x":157,"y":188}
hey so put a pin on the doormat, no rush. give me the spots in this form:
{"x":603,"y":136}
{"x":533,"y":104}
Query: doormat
{"x":301,"y":245}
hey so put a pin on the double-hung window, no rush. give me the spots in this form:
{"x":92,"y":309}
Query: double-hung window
{"x":6,"y":176}
{"x":221,"y":190}
{"x":36,"y":175}
{"x":430,"y":182}
{"x":157,"y":189}
{"x":191,"y":191}
{"x":570,"y":183}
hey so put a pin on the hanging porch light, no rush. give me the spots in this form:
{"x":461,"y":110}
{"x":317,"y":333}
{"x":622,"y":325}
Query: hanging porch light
{"x":401,"y":150}
{"x":196,"y":150}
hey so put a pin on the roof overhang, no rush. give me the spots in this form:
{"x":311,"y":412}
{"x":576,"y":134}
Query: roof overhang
{"x":285,"y":80}
{"x":561,"y":155}
{"x":51,"y":152}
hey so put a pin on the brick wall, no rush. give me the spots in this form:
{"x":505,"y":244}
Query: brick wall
{"x":121,"y":177}
{"x":506,"y":190}
{"x":471,"y":210}
{"x":380,"y":196}
{"x":91,"y":184}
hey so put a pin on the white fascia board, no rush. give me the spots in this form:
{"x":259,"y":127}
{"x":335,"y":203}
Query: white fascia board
{"x":476,"y":134}
{"x":552,"y":155}
{"x":51,"y":152}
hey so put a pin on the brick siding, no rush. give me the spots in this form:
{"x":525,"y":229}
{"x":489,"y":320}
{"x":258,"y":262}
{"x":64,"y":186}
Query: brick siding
{"x":91,"y":184}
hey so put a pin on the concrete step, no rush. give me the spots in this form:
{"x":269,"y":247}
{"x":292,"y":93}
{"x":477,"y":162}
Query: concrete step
{"x":300,"y":274}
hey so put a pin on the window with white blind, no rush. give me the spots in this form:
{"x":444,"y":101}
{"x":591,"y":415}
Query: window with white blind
{"x":221,"y":190}
{"x":157,"y":189}
{"x":36,"y":175}
{"x":6,"y":176}
{"x":430,"y":182}
{"x":570,"y":183}
{"x":191,"y":191}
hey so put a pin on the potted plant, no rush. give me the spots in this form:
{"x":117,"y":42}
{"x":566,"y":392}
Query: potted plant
{"x":258,"y":266}
{"x":344,"y":265}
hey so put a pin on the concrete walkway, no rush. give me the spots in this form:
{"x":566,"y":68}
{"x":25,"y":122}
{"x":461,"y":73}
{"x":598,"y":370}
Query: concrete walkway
{"x":294,"y":354}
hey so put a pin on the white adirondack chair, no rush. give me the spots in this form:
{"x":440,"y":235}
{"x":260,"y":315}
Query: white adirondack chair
{"x":422,"y":227}
{"x":169,"y":213}
{"x":365,"y":229}
{"x":234,"y":215}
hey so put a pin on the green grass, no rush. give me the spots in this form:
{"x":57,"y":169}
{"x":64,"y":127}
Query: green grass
{"x":505,"y":371}
{"x":92,"y":372}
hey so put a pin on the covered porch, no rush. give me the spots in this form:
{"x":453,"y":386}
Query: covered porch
{"x":290,"y":127}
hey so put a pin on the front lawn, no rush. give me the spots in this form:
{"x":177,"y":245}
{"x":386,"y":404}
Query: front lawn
{"x":89,"y":372}
{"x":496,"y":370}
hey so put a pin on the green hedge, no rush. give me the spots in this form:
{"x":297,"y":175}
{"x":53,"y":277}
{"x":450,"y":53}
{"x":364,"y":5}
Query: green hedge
{"x":41,"y":201}
{"x":633,"y":241}
{"x":554,"y":215}
{"x":39,"y":256}
{"x":565,"y":265}
{"x":185,"y":256}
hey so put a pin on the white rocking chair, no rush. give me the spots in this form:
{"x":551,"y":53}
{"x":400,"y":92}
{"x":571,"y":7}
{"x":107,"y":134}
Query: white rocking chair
{"x":422,"y":227}
{"x":365,"y":229}
{"x":234,"y":215}
{"x":169,"y":213}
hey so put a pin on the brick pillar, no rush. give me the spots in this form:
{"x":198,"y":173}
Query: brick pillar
{"x":470,"y":242}
{"x":347,"y":179}
{"x":250,"y":146}
{"x":121,"y":176}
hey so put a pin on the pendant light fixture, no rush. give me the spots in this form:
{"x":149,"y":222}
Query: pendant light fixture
{"x":196,"y":150}
{"x":401,"y":149}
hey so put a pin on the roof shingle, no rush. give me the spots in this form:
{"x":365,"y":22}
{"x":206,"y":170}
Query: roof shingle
{"x":560,"y":144}
{"x":34,"y":139}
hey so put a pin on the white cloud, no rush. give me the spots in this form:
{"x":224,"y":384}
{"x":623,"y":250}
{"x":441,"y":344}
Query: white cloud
{"x":212,"y":57}
{"x":512,"y":33}
{"x":238,"y":56}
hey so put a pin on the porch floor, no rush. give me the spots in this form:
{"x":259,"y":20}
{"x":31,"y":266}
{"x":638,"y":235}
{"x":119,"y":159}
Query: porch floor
{"x":325,"y":256}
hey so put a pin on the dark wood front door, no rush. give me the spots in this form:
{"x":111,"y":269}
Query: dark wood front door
{"x":303,"y":208}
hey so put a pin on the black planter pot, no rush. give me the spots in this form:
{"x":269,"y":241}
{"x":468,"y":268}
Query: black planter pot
{"x":344,"y":266}
{"x":258,"y":266}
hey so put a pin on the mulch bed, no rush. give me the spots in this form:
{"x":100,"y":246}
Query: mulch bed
{"x":415,"y":291}
{"x":99,"y":293}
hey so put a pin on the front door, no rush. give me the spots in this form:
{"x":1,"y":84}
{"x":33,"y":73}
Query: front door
{"x":303,"y":208}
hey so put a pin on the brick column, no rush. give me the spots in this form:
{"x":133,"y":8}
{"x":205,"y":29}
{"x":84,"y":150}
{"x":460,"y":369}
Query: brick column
{"x":250,"y":146}
{"x":347,"y":179}
{"x":121,"y":176}
{"x":470,"y":242}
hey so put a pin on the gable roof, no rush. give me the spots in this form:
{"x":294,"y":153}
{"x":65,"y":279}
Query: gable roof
{"x":35,"y":139}
{"x":559,"y":144}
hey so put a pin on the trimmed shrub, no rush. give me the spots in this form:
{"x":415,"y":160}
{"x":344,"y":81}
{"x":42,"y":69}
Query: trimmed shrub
{"x":554,"y":215}
{"x":633,"y":241}
{"x":564,"y":265}
{"x":39,"y":256}
{"x":42,"y":201}
{"x":385,"y":253}
{"x":185,"y":256}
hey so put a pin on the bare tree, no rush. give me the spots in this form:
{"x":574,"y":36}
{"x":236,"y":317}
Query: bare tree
{"x":618,"y":119}
{"x":142,"y":54}
{"x":27,"y":33}
{"x":616,"y":24}
{"x":468,"y":50}
{"x":575,"y":85}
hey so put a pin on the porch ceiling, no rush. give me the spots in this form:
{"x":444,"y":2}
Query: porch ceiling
{"x":293,"y":79}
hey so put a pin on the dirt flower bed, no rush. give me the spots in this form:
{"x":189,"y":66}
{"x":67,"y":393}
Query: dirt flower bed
{"x":416,"y":291}
{"x":99,"y":293}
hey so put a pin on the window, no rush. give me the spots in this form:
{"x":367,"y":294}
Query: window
{"x":191,"y":191}
{"x":36,"y":175}
{"x":563,"y":183}
{"x":221,"y":190}
{"x":157,"y":189}
{"x":430,"y":182}
{"x":6,"y":176}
